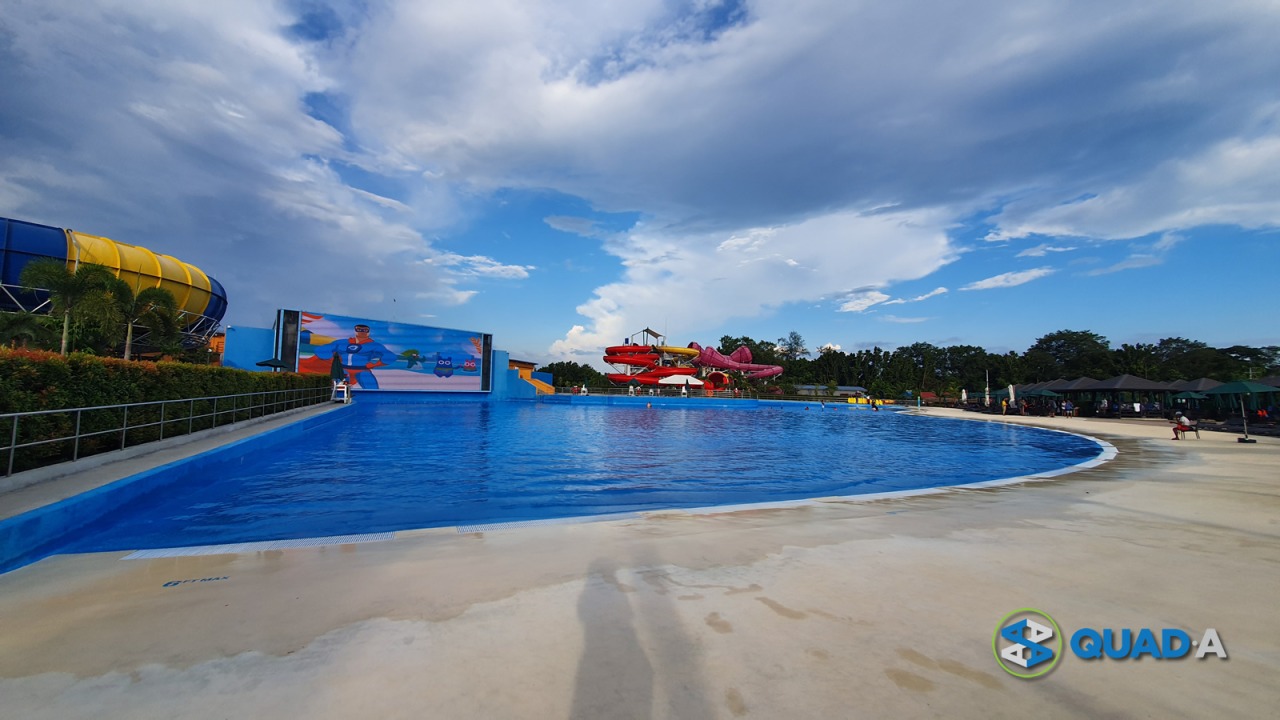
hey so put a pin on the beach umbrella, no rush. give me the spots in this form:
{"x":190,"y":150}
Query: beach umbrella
{"x":1242,"y":388}
{"x":1040,"y":393}
{"x":679,"y":380}
{"x":1189,"y":395}
{"x":964,"y":396}
{"x":1012,"y":396}
{"x":274,"y":364}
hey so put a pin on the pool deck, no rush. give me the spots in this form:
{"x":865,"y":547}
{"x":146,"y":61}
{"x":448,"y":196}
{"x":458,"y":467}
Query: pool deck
{"x":837,"y":609}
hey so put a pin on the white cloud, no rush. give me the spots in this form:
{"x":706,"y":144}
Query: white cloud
{"x":480,"y":266}
{"x":1133,"y":262}
{"x":666,"y":278}
{"x":861,"y":301}
{"x":1042,"y":250}
{"x":904,"y":320}
{"x":1009,"y":279}
{"x":829,"y":347}
{"x":576,"y":225}
{"x":1233,"y":182}
{"x":931,"y":294}
{"x":1143,"y":256}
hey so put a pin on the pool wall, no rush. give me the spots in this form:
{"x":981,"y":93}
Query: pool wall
{"x":36,"y":534}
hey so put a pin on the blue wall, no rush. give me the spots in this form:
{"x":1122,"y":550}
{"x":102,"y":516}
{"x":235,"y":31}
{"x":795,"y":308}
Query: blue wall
{"x":248,"y":346}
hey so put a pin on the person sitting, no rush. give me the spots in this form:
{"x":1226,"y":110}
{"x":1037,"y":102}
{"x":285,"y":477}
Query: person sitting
{"x":1181,"y":424}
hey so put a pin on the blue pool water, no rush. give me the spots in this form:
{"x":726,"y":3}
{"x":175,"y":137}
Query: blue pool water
{"x":381,"y":467}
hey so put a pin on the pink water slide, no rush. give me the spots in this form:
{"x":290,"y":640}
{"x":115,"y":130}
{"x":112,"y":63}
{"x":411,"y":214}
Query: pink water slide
{"x":739,"y":359}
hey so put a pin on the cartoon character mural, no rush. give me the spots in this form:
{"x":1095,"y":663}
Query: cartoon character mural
{"x":444,"y":366}
{"x":380,"y":355}
{"x":359,"y":355}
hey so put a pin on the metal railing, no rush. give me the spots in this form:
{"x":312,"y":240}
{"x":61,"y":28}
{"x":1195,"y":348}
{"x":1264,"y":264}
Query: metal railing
{"x":55,"y":436}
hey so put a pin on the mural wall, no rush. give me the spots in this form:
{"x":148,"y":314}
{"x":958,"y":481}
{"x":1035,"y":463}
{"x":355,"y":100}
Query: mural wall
{"x":381,"y":355}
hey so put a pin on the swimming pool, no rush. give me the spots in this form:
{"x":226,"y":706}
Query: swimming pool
{"x":382,"y":467}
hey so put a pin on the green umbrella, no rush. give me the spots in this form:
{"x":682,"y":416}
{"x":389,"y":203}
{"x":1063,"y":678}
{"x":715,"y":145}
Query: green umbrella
{"x":1190,"y":396}
{"x":1041,"y":393}
{"x":1242,"y":388}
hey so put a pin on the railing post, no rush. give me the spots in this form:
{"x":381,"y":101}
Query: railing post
{"x":124,"y":428}
{"x":215,"y":413}
{"x":191,"y":415}
{"x":75,"y":453}
{"x":13,"y":445}
{"x":162,"y":406}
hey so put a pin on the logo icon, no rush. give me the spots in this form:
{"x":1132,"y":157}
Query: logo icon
{"x":1027,"y":643}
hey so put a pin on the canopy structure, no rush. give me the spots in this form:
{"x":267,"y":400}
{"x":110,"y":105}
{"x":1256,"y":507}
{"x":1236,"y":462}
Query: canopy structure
{"x":1128,"y":383}
{"x":1077,"y":385}
{"x":1200,"y":385}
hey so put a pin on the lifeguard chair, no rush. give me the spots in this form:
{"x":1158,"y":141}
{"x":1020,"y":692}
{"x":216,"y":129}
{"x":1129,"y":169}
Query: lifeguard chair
{"x":341,"y":392}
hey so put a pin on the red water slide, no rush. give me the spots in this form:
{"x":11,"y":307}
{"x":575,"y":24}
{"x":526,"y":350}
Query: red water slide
{"x":739,"y":360}
{"x":644,"y":361}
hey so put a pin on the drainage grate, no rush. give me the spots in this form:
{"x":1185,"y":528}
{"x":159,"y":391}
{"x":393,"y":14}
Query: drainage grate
{"x":491,"y":527}
{"x":258,"y":546}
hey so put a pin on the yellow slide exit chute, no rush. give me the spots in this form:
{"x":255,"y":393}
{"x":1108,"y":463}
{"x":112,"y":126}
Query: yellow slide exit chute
{"x":142,"y":268}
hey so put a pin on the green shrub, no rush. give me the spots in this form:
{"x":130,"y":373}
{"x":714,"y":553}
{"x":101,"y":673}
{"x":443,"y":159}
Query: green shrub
{"x":33,"y":380}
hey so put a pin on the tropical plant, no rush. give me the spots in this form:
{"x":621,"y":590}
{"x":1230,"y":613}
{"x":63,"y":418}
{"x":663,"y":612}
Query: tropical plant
{"x":154,"y":308}
{"x":68,"y":290}
{"x":17,"y":329}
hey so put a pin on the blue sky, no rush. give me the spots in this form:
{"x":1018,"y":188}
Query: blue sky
{"x":563,"y":174}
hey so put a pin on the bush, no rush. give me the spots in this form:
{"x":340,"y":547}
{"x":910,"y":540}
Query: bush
{"x":33,"y":380}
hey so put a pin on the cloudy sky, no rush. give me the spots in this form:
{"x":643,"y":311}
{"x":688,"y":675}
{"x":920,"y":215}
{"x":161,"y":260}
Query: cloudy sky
{"x":563,"y":174}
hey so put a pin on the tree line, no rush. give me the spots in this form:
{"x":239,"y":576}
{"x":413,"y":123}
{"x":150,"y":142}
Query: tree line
{"x":92,"y":310}
{"x":924,"y":367}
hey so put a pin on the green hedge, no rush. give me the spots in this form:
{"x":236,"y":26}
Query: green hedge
{"x":37,"y":380}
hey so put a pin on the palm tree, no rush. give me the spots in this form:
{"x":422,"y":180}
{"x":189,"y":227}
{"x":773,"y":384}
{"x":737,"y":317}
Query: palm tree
{"x":19,"y":328}
{"x":154,"y":308}
{"x":67,"y":289}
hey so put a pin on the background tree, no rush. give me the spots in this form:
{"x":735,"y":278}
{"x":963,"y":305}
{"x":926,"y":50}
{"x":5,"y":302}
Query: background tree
{"x":967,"y":365}
{"x":1077,"y":353}
{"x":67,"y":290}
{"x":572,"y":373}
{"x":17,"y":329}
{"x":1139,"y":359}
{"x":792,"y":346}
{"x":761,"y":352}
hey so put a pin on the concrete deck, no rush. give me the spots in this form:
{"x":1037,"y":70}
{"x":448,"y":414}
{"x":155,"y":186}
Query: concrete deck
{"x":842,"y":609}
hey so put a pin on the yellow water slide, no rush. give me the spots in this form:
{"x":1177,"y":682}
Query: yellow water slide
{"x":542,"y":387}
{"x":142,"y":268}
